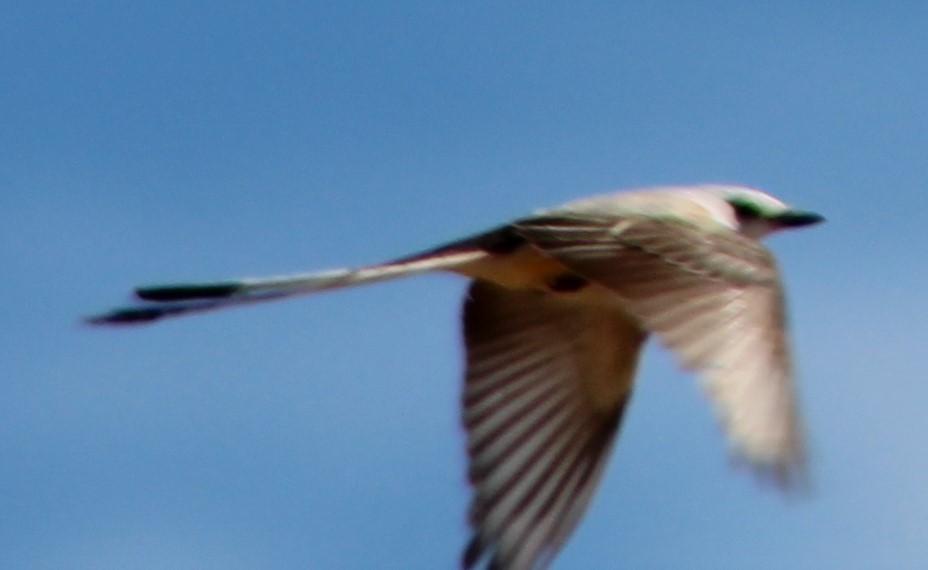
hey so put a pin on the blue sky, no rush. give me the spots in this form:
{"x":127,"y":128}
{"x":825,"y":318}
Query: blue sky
{"x":171,"y":141}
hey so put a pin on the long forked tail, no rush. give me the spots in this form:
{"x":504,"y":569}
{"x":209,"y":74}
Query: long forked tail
{"x":160,"y":301}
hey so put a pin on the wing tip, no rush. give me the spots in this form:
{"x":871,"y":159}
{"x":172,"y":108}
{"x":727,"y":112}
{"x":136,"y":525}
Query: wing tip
{"x":473,"y":552}
{"x":789,"y":476}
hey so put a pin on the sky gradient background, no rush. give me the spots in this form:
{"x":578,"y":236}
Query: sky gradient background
{"x":168,"y":141}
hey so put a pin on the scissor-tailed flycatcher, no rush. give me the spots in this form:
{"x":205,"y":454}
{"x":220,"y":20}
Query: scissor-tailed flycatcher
{"x":559,"y":306}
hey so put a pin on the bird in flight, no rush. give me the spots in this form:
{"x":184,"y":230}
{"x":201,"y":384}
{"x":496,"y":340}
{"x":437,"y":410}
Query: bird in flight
{"x":559,"y":305}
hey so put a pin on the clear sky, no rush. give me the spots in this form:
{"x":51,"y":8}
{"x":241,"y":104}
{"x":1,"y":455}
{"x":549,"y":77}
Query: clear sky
{"x":146,"y":142}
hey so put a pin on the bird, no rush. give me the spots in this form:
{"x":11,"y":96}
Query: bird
{"x":558,"y":308}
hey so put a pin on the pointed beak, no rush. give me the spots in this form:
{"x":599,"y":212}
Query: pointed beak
{"x":798,"y":219}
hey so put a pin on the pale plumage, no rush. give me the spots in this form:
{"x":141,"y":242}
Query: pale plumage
{"x":560,"y":305}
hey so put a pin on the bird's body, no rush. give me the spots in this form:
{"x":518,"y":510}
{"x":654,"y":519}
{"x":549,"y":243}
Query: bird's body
{"x":559,"y":307}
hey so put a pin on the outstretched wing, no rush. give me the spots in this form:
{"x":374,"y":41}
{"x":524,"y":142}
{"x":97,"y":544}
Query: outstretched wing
{"x":714,"y":298}
{"x":547,"y":382}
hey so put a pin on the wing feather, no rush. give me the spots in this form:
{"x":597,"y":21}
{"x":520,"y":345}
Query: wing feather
{"x":547,"y":381}
{"x":714,"y":298}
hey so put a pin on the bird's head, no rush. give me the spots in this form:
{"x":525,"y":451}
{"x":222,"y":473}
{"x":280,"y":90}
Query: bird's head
{"x":758,"y":214}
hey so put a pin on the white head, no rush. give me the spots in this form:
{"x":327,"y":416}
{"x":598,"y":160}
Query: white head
{"x":757,"y":214}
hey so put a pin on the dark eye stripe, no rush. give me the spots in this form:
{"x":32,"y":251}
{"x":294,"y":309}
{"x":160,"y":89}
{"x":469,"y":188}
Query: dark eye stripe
{"x":745,"y":209}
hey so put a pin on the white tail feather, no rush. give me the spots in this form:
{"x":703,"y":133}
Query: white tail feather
{"x":162,"y":301}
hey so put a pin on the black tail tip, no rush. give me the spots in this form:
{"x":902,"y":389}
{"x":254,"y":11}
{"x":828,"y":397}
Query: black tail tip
{"x":128,"y":316}
{"x":162,"y":293}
